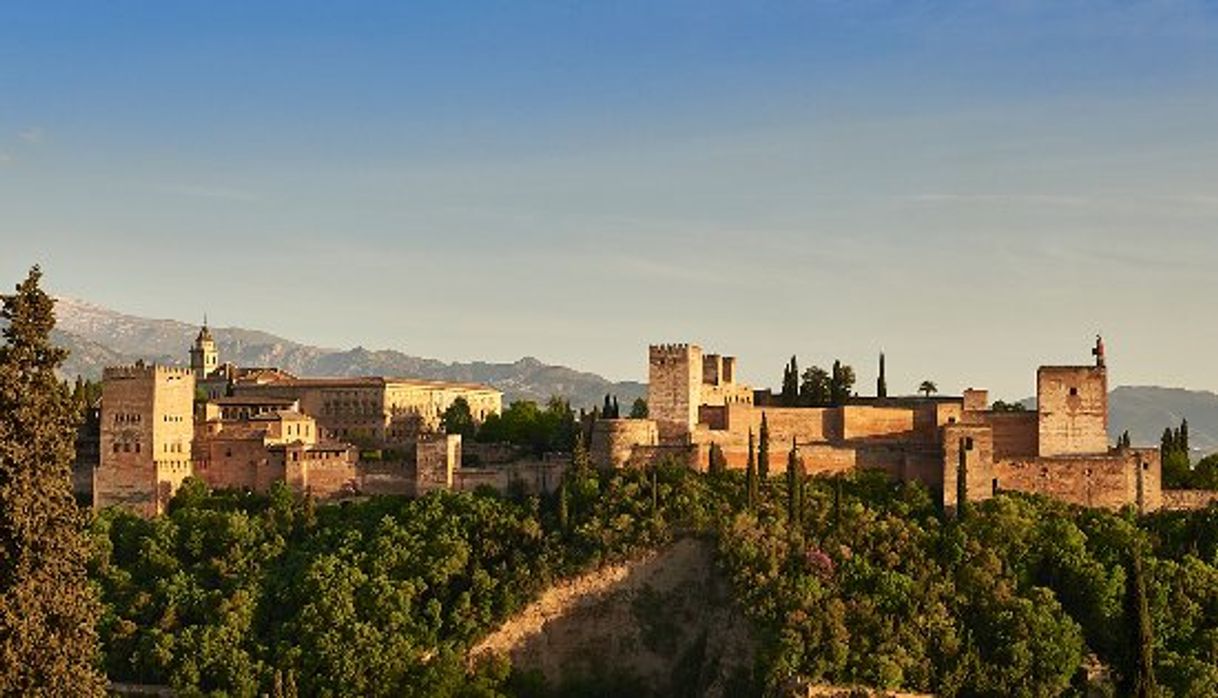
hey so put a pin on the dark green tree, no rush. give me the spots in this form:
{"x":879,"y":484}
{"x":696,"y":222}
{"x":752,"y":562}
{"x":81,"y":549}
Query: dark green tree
{"x":581,"y":461}
{"x":763,"y":451}
{"x":795,"y":481}
{"x":564,"y":508}
{"x":814,"y":390}
{"x":1142,"y":680}
{"x":928,"y":388}
{"x":790,"y":384}
{"x":717,"y":464}
{"x":48,"y":643}
{"x":841,"y":383}
{"x":639,"y":409}
{"x":458,"y":419}
{"x":750,"y":475}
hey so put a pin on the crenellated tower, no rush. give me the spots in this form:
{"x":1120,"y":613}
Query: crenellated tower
{"x":674,"y":389}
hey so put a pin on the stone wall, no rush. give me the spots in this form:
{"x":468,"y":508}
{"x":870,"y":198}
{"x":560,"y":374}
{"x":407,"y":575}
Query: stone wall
{"x":968,"y":450}
{"x":614,"y":440}
{"x":1016,"y":434}
{"x":867,"y":422}
{"x":437,"y":457}
{"x":1188,"y":500}
{"x":1126,"y":477}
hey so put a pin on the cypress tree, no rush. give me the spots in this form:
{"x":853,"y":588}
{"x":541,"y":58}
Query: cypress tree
{"x":617,"y":411}
{"x":581,"y":461}
{"x":962,"y":482}
{"x":750,"y":476}
{"x":655,"y":491}
{"x":564,"y":507}
{"x":1143,"y":680}
{"x":1182,"y":443}
{"x":48,"y":643}
{"x":795,"y":481}
{"x":763,"y":452}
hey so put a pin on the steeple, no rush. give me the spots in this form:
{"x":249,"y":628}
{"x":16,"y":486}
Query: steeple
{"x":204,"y":358}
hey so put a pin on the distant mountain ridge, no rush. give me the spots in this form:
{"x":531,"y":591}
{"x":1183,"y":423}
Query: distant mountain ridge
{"x":98,"y":337}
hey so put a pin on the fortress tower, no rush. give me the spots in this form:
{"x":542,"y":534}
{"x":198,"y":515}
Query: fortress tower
{"x":204,"y":359}
{"x":1072,"y":402}
{"x":674,"y":389}
{"x":146,"y":434}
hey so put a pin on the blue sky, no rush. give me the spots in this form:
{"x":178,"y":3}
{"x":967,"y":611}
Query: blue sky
{"x":973,"y":187}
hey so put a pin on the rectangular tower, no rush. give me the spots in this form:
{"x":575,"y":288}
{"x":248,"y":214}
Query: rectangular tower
{"x":1072,"y":402}
{"x":146,"y":434}
{"x":674,"y":389}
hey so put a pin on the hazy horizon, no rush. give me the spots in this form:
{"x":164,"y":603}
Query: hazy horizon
{"x":973,"y":189}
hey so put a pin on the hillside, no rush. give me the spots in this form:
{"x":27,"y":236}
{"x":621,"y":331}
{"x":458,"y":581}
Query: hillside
{"x":98,"y":336}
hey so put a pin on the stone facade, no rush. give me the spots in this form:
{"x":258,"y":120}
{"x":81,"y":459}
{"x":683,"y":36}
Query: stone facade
{"x":375,"y":412}
{"x":248,"y":428}
{"x":1061,"y":449}
{"x":147,"y":427}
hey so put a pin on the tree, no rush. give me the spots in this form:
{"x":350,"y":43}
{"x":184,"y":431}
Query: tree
{"x":458,"y":419}
{"x":763,"y":451}
{"x":718,"y":463}
{"x":928,"y":388}
{"x":1142,"y":684}
{"x":750,"y":476}
{"x":790,"y":384}
{"x":814,"y":390}
{"x":639,"y":409}
{"x":1003,"y":406}
{"x":795,"y":481}
{"x":581,"y":461}
{"x":564,"y":508}
{"x":48,"y":643}
{"x":841,"y":383}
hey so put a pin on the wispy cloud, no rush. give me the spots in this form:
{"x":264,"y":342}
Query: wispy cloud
{"x":5,"y":158}
{"x":33,"y":135}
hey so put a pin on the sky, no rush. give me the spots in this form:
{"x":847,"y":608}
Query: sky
{"x":974,"y":188}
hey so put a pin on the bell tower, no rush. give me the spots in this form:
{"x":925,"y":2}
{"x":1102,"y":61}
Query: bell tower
{"x":204,"y":359}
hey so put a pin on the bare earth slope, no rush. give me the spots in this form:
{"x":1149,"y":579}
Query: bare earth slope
{"x":666,"y":619}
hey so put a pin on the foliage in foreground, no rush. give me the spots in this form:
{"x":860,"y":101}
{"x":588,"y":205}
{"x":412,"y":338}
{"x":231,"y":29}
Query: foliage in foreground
{"x":236,"y":594}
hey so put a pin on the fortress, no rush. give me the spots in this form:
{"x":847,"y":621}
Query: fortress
{"x":248,"y":428}
{"x":952,"y":444}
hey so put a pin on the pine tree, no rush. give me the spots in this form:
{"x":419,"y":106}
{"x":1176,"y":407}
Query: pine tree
{"x":763,"y":452}
{"x":750,"y":476}
{"x":48,"y":643}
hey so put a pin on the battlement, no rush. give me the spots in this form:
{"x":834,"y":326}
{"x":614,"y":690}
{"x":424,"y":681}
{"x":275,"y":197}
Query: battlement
{"x":659,"y":352}
{"x":142,"y":370}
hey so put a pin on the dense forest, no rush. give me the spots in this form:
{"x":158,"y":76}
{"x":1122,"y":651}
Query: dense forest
{"x":855,"y":580}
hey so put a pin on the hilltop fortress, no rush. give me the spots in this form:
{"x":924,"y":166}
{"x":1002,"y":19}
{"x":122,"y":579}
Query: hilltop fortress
{"x":248,"y":428}
{"x":951,"y":444}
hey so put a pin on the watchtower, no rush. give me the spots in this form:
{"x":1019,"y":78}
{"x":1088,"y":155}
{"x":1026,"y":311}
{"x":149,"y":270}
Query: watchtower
{"x":1072,"y":402}
{"x":674,"y":389}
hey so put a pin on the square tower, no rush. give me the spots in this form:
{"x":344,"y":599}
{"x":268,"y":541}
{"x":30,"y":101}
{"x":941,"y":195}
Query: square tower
{"x":674,"y":389}
{"x":1072,"y":406}
{"x":146,"y":434}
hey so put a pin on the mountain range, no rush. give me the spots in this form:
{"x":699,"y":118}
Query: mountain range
{"x":98,"y":337}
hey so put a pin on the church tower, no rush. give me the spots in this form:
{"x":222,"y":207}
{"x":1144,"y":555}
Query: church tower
{"x":204,"y":359}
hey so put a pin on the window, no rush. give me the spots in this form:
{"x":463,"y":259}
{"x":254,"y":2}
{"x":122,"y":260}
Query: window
{"x":1074,"y":392}
{"x":994,"y":487}
{"x":968,"y":443}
